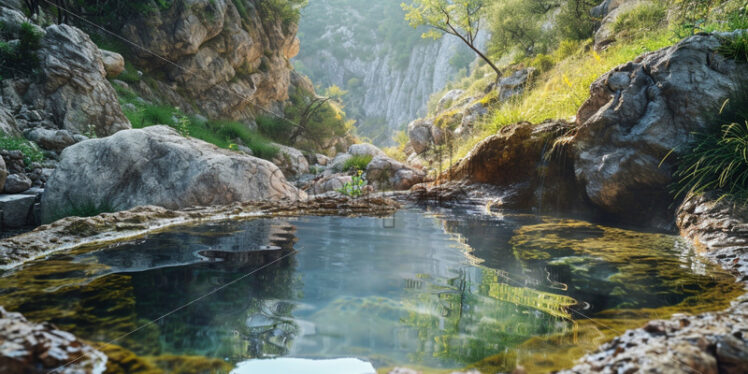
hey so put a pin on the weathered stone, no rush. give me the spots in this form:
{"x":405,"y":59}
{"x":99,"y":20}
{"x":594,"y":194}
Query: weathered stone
{"x":609,"y":11}
{"x":75,"y":90}
{"x":158,"y":166}
{"x":336,"y":165}
{"x":514,"y":84}
{"x":419,"y":133}
{"x":639,"y":112}
{"x":365,"y":149}
{"x":385,"y":173}
{"x":328,"y":183}
{"x":291,"y":161}
{"x":114,"y":63}
{"x":55,"y":140}
{"x":40,"y":348}
{"x":15,"y":209}
{"x":16,"y":183}
{"x":448,"y":99}
{"x":7,"y":122}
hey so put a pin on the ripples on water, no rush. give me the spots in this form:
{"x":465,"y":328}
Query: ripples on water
{"x":419,"y":289}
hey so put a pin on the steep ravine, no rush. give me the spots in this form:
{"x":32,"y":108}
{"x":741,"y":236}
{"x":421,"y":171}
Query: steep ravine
{"x":389,"y":84}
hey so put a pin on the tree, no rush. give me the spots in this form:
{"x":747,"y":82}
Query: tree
{"x":461,"y":18}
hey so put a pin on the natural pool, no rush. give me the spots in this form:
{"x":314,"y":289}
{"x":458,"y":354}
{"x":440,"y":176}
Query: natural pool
{"x":427,"y":290}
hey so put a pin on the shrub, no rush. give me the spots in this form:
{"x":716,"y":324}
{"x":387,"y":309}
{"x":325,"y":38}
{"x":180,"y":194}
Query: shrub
{"x":718,"y":159}
{"x":357,"y":162}
{"x":355,"y":187}
{"x":735,"y":48}
{"x":20,"y":58}
{"x":31,"y":152}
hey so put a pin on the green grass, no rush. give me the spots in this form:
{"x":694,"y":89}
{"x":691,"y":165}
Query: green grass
{"x":735,"y":48}
{"x":31,"y":152}
{"x":563,"y":89}
{"x":643,"y":17}
{"x":357,"y":162}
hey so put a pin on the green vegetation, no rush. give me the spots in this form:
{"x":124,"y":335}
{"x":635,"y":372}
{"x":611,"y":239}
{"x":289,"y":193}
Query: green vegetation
{"x":735,"y":48}
{"x":31,"y":152}
{"x":217,"y":132}
{"x":644,"y":17}
{"x":357,"y":162}
{"x":285,"y":10}
{"x":355,"y":187}
{"x":19,"y":57}
{"x":85,"y":210}
{"x":717,"y":159}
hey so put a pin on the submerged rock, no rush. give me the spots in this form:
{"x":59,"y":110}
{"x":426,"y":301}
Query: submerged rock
{"x":157,"y":166}
{"x":40,"y":348}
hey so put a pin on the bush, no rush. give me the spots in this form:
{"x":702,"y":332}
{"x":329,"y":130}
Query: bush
{"x":357,"y":162}
{"x":735,"y":48}
{"x":20,"y":58}
{"x":31,"y":152}
{"x":718,"y":160}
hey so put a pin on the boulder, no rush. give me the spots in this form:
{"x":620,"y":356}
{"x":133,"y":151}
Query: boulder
{"x":385,"y":173}
{"x":291,"y":161}
{"x":514,"y":84}
{"x":419,"y":133}
{"x":55,"y":140}
{"x":7,"y":122}
{"x":74,"y":89}
{"x":640,"y":111}
{"x":15,"y":209}
{"x":322,"y":159}
{"x":338,"y":162}
{"x":328,"y":183}
{"x":158,"y":166}
{"x":365,"y":149}
{"x":13,"y":161}
{"x":448,"y":99}
{"x":114,"y":63}
{"x":41,"y":348}
{"x":16,"y":183}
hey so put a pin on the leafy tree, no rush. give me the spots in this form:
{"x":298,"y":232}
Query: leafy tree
{"x":462,"y":19}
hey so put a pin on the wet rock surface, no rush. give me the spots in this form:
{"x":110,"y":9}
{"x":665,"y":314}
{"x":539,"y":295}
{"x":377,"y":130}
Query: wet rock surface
{"x":27,"y":347}
{"x":74,"y":232}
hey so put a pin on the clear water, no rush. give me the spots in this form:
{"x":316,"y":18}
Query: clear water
{"x":419,"y":289}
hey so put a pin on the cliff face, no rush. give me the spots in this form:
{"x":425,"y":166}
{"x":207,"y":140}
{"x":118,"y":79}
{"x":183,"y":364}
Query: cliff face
{"x":226,"y":58}
{"x":369,"y":50}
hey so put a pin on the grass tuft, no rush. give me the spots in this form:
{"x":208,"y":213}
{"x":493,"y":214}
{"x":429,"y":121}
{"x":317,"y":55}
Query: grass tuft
{"x":357,"y":162}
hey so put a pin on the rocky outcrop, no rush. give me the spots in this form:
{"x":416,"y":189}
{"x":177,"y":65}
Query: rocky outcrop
{"x":608,"y":12}
{"x":365,"y":149}
{"x":385,"y":174}
{"x":114,"y":63}
{"x":327,"y":184}
{"x":707,"y":343}
{"x":640,"y":111}
{"x":33,"y":348}
{"x":717,"y":226}
{"x":69,"y":92}
{"x":157,"y":166}
{"x":227,"y":60}
{"x":291,"y":161}
{"x":532,"y":163}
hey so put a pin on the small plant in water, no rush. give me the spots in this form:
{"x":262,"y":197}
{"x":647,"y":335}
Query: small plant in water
{"x":355,"y":187}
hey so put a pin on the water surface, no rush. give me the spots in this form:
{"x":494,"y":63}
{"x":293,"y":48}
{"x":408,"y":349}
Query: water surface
{"x":426,"y":290}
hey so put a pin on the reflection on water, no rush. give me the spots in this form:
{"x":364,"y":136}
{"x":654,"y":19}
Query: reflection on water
{"x":434,"y":291}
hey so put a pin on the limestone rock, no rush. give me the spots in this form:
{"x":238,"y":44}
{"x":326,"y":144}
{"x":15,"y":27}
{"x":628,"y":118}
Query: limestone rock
{"x":39,"y":348}
{"x":514,"y":84}
{"x":364,"y":149}
{"x":448,"y":99}
{"x":640,"y":111}
{"x":7,"y":122}
{"x":385,"y":173}
{"x":419,"y":133}
{"x":15,"y":209}
{"x":338,"y":162}
{"x":55,"y":140}
{"x":328,"y":183}
{"x":231,"y":62}
{"x":16,"y":183}
{"x":114,"y":63}
{"x":158,"y":166}
{"x":291,"y":161}
{"x":74,"y":88}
